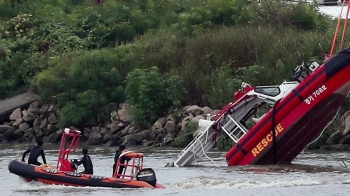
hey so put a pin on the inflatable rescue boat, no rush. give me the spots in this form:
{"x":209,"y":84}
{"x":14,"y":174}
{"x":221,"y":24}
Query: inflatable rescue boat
{"x":133,"y":176}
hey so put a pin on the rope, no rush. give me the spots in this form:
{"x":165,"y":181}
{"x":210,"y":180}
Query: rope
{"x":322,"y":131}
{"x":181,"y":137}
{"x":207,"y":155}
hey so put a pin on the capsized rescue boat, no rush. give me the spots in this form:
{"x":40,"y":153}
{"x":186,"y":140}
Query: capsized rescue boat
{"x":65,"y":173}
{"x":300,"y":111}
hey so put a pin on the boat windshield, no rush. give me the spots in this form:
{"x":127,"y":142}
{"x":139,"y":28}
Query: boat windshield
{"x":268,"y":90}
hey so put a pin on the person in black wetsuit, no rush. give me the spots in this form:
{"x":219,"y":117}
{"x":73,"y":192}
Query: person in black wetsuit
{"x":122,"y":160}
{"x":86,"y":161}
{"x":35,"y":152}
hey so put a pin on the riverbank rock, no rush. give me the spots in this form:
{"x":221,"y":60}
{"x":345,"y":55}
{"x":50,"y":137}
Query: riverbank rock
{"x":175,"y":129}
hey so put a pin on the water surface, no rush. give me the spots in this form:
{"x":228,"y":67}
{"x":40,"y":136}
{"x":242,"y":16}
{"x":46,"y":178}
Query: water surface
{"x":312,"y":173}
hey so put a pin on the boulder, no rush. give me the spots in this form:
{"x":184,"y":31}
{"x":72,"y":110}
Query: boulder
{"x":95,"y":129}
{"x":44,"y":108}
{"x":129,"y":140}
{"x":334,"y":138}
{"x":115,"y":127}
{"x":28,"y":119}
{"x":123,"y":114}
{"x":185,"y":122}
{"x":108,"y":136}
{"x":137,"y":137}
{"x":51,"y":129}
{"x":43,"y":123}
{"x":112,"y":143}
{"x":345,"y":115}
{"x":16,"y":114}
{"x":18,"y":134}
{"x":51,"y":108}
{"x":20,"y":140}
{"x":194,"y":110}
{"x":145,"y":133}
{"x":197,"y":118}
{"x":9,"y":133}
{"x":4,"y":128}
{"x":104,"y":131}
{"x":171,"y":117}
{"x":54,"y":138}
{"x":24,"y":113}
{"x":170,"y":126}
{"x":24,"y":127}
{"x":117,"y":136}
{"x":34,"y":108}
{"x":156,"y":132}
{"x":59,"y":131}
{"x":347,"y":126}
{"x":17,"y":122}
{"x":168,"y":139}
{"x":198,"y":130}
{"x":37,"y":121}
{"x":125,"y":130}
{"x":114,"y":116}
{"x":147,"y":143}
{"x":52,"y":119}
{"x":95,"y":138}
{"x":215,"y":112}
{"x":207,"y":110}
{"x":29,"y":134}
{"x":46,"y":139}
{"x":159,"y":123}
{"x":87,"y":131}
{"x":39,"y":133}
{"x":345,"y":140}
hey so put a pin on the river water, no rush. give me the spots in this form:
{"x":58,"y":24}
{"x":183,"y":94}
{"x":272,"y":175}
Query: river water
{"x":312,"y":173}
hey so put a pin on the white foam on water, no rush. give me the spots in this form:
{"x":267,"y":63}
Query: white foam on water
{"x":39,"y":186}
{"x":220,"y":183}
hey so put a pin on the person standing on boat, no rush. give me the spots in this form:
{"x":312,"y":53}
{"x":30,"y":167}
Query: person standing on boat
{"x":86,"y":161}
{"x":35,"y":152}
{"x":122,"y":148}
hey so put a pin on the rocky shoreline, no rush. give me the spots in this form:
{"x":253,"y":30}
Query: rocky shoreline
{"x":40,"y":121}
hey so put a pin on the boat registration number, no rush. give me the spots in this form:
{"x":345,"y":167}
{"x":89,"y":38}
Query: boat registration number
{"x":73,"y":174}
{"x":92,"y":177}
{"x":315,"y":94}
{"x":53,"y":171}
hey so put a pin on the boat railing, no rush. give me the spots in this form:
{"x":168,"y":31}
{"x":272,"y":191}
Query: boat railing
{"x":235,"y":130}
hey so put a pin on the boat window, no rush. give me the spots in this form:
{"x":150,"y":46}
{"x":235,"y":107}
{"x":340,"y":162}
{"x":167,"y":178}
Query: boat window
{"x":270,"y":91}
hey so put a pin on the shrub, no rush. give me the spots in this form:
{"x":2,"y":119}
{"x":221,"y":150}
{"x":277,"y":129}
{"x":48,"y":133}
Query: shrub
{"x":185,"y":136}
{"x":82,"y":88}
{"x":150,"y":95}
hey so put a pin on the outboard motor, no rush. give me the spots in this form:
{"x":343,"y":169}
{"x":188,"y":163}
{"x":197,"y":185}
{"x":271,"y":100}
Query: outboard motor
{"x":147,"y":175}
{"x":302,"y":71}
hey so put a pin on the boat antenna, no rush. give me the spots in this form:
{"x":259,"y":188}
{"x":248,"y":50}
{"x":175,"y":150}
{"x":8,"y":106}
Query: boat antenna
{"x":345,"y":25}
{"x":337,"y":29}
